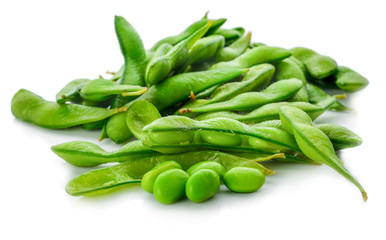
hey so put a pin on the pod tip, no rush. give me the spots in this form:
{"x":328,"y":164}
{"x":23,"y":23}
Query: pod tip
{"x":364,"y":195}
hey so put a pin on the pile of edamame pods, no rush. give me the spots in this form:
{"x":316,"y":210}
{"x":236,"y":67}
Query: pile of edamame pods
{"x":199,"y":109}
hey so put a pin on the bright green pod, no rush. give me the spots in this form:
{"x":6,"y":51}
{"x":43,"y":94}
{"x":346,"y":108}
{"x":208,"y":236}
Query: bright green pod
{"x":243,"y":179}
{"x":30,"y":107}
{"x":211,"y":165}
{"x":134,"y":56}
{"x":86,"y":154}
{"x":317,"y":95}
{"x":314,"y":143}
{"x":173,"y":40}
{"x":276,"y":92}
{"x":230,"y":34}
{"x":162,"y":50}
{"x":202,"y":185}
{"x":271,"y":111}
{"x":234,"y":50}
{"x":105,"y":179}
{"x":318,"y":66}
{"x":340,"y":136}
{"x":179,"y":87}
{"x":159,"y":68}
{"x":99,"y":90}
{"x":263,"y":54}
{"x":349,"y":80}
{"x":117,"y":130}
{"x":169,"y":186}
{"x":70,"y":92}
{"x":148,"y":180}
{"x":140,"y":114}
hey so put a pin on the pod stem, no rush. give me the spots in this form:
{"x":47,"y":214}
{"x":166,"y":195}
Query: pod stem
{"x":192,"y":96}
{"x":274,"y":156}
{"x":126,"y":94}
{"x":340,"y":96}
{"x":184,"y":110}
{"x":364,"y":195}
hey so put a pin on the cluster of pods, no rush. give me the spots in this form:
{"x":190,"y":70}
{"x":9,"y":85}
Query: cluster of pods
{"x":206,"y":95}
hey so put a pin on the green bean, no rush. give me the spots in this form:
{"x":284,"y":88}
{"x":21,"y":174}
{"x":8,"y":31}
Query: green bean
{"x":148,"y":180}
{"x":86,"y":154}
{"x":173,"y":40}
{"x":318,"y":66}
{"x":30,"y":107}
{"x":101,"y":180}
{"x":169,"y":187}
{"x":202,"y":185}
{"x":271,"y":111}
{"x":99,"y":90}
{"x":317,"y":95}
{"x":234,"y":50}
{"x":140,"y":114}
{"x":314,"y":143}
{"x":70,"y":92}
{"x":257,"y":77}
{"x":291,"y":68}
{"x":244,"y":180}
{"x":349,"y":80}
{"x":214,"y":166}
{"x":263,"y":54}
{"x":276,"y":92}
{"x":159,"y":68}
{"x":134,"y":55}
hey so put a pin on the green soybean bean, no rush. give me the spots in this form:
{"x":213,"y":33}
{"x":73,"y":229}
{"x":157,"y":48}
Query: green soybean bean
{"x":271,"y":111}
{"x":134,"y":56}
{"x":70,"y":92}
{"x":317,"y":95}
{"x":243,"y":179}
{"x":179,"y":87}
{"x":211,"y":165}
{"x":234,"y":50}
{"x":159,"y":68}
{"x":202,"y":185}
{"x":257,"y":77}
{"x":30,"y":107}
{"x":86,"y":154}
{"x":148,"y":180}
{"x":314,"y":143}
{"x":340,"y":136}
{"x":263,"y":54}
{"x":169,"y":187}
{"x":173,"y":40}
{"x":102,"y":180}
{"x":349,"y":80}
{"x":291,"y":68}
{"x":318,"y":66}
{"x":140,"y":114}
{"x":99,"y":90}
{"x":276,"y":92}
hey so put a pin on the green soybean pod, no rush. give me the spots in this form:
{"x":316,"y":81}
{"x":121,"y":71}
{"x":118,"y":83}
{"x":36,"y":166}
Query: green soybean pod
{"x":30,"y":107}
{"x":169,"y":187}
{"x":244,"y":179}
{"x":340,"y":136}
{"x":318,"y":66}
{"x":317,"y":95}
{"x":214,"y":166}
{"x":235,"y":49}
{"x":148,"y":180}
{"x":116,"y":128}
{"x":70,"y":92}
{"x":202,"y":185}
{"x":349,"y":80}
{"x":230,"y":34}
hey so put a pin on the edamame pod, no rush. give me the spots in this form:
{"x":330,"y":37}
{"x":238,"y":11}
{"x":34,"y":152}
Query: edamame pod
{"x":317,"y":95}
{"x":86,"y":154}
{"x":318,"y":66}
{"x":234,"y":50}
{"x":230,"y":34}
{"x":102,"y":180}
{"x":314,"y":143}
{"x":263,"y":54}
{"x":99,"y":90}
{"x":349,"y":80}
{"x":159,"y":68}
{"x":140,"y":114}
{"x":70,"y":92}
{"x":30,"y":107}
{"x":276,"y":92}
{"x":116,"y":128}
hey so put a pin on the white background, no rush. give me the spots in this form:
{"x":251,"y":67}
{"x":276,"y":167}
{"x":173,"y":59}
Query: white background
{"x":45,"y":44}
